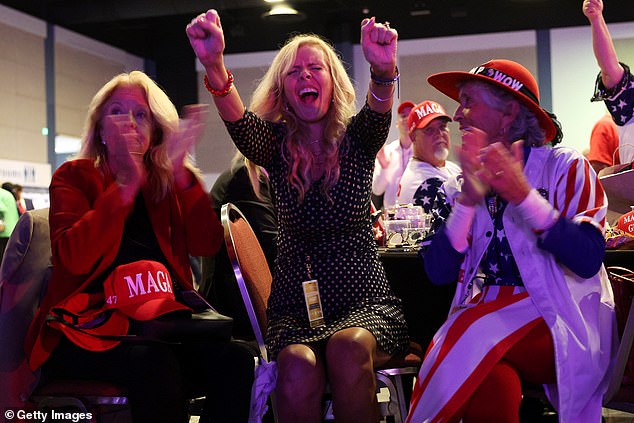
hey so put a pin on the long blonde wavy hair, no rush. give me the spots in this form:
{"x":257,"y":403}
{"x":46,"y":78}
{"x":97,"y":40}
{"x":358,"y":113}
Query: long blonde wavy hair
{"x":269,"y":102}
{"x":164,"y":121}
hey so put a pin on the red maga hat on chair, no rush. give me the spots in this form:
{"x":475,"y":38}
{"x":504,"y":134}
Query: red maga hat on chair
{"x":142,"y":290}
{"x":506,"y":74}
{"x":85,"y":322}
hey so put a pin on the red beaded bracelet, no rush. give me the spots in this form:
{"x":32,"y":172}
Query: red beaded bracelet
{"x":225,"y":91}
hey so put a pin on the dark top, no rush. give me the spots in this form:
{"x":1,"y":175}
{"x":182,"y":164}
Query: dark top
{"x":331,"y":235}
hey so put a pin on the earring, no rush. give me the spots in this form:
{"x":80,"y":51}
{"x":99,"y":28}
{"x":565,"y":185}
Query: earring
{"x":103,"y":141}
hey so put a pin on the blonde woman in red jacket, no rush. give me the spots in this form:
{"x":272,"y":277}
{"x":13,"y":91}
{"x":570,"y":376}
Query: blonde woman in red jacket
{"x":131,"y":196}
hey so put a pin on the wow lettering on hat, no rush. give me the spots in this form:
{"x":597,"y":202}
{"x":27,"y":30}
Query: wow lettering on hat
{"x":504,"y":79}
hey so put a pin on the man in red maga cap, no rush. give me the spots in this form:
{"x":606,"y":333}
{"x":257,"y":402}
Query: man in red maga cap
{"x":524,"y":242}
{"x":428,"y":168}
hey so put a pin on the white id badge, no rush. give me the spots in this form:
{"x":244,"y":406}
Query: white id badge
{"x":313,"y":303}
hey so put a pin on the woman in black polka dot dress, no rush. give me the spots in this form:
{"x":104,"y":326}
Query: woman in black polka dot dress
{"x":320,"y":156}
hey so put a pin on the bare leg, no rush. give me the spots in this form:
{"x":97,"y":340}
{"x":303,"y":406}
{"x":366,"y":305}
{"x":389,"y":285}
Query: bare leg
{"x":300,"y":385}
{"x":351,"y":355}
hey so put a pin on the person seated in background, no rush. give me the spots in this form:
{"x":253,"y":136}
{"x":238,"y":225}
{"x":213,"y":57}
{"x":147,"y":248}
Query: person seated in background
{"x":428,"y":168}
{"x":615,"y":82}
{"x":533,"y":302}
{"x":604,"y":144}
{"x":131,"y":201}
{"x":391,"y":161}
{"x":246,"y":186}
{"x":332,"y":316}
{"x":24,"y":204}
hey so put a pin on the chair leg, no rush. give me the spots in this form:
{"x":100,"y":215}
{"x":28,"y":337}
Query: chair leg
{"x":395,"y":405}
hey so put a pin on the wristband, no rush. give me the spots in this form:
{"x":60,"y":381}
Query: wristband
{"x":381,"y":81}
{"x":539,"y":214}
{"x":457,"y":226}
{"x":382,"y":100}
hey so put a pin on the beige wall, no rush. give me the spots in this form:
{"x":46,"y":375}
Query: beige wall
{"x":574,"y":71}
{"x":78,"y":76}
{"x":215,"y":150}
{"x":419,"y":59}
{"x":22,"y":91}
{"x":82,"y":66}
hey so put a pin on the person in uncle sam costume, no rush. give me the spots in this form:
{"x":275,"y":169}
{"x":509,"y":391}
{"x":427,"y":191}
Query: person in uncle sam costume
{"x":524,"y":241}
{"x":124,"y":218}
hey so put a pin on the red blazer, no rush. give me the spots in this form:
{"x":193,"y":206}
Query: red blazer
{"x":87,"y":219}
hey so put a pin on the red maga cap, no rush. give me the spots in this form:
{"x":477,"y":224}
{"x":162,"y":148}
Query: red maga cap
{"x":142,"y":290}
{"x":424,"y":113}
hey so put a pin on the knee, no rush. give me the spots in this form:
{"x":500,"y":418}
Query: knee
{"x":349,"y":354}
{"x":351,"y":347}
{"x":299,"y":370}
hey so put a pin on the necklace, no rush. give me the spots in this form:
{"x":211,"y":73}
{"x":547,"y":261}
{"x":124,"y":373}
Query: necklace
{"x":316,"y":151}
{"x":315,"y":148}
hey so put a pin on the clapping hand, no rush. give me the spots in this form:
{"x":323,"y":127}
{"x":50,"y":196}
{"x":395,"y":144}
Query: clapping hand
{"x":491,"y":167}
{"x":126,"y":149}
{"x":474,"y":188}
{"x":503,"y":171}
{"x":181,"y":142}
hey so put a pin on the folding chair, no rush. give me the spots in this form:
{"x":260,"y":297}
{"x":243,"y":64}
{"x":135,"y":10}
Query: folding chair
{"x":254,"y":279}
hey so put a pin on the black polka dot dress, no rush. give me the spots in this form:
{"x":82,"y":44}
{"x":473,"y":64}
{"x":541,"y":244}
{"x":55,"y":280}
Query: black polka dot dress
{"x":329,"y":236}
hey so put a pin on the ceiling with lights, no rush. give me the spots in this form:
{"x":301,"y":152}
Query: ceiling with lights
{"x":150,"y":27}
{"x":155,"y":29}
